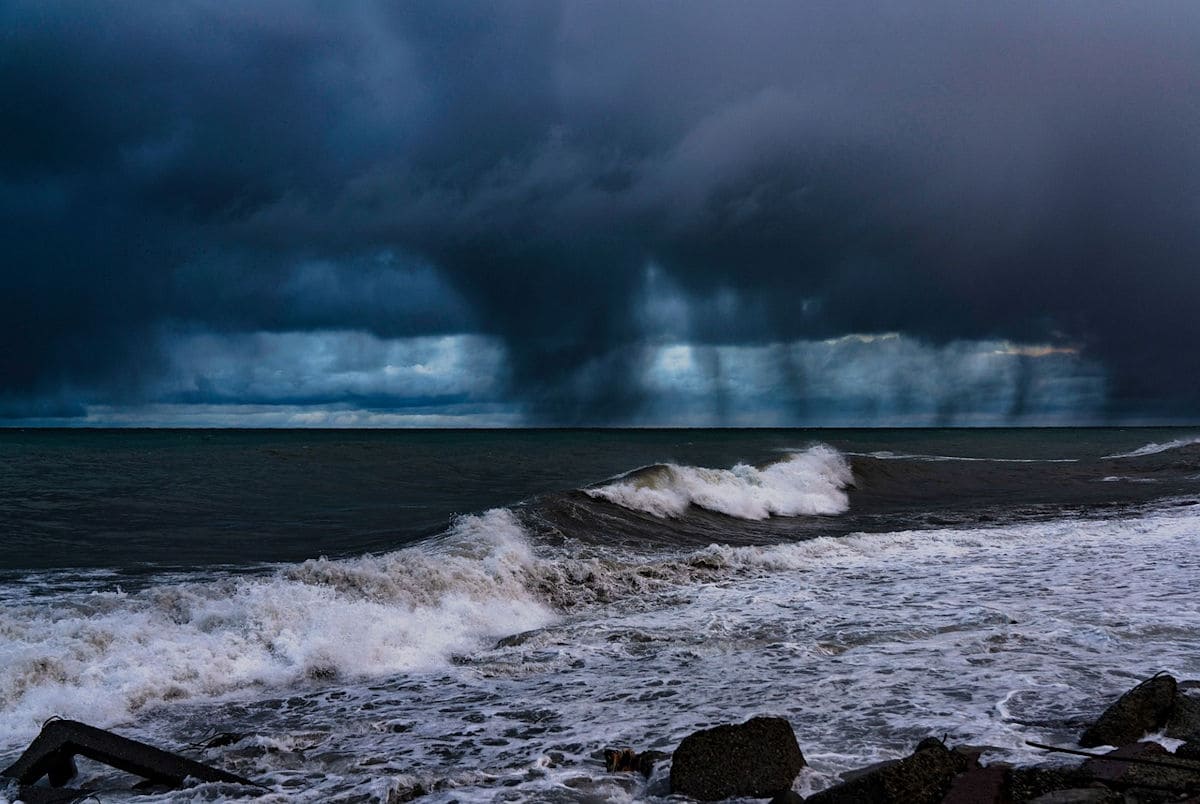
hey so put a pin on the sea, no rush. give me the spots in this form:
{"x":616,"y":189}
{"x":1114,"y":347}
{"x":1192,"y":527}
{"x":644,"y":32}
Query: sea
{"x":476,"y":615}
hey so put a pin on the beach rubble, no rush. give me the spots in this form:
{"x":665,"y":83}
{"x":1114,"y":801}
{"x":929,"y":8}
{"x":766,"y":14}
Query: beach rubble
{"x":761,"y":759}
{"x":52,"y":755}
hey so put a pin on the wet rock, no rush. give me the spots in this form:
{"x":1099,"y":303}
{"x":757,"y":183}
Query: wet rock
{"x":515,"y":640}
{"x":1144,"y":708}
{"x":1181,"y":775}
{"x":790,"y":797}
{"x":979,"y":786}
{"x":51,"y":795}
{"x":758,"y":759}
{"x":1080,"y":795}
{"x":924,"y":777}
{"x":626,"y":760}
{"x":1184,"y":722}
{"x":1028,"y":784}
{"x":222,"y":739}
{"x":648,"y":760}
{"x":1189,"y":750}
{"x":406,"y":794}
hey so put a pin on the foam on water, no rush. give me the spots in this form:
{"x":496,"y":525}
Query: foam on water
{"x":866,"y":643}
{"x":809,"y":482}
{"x":869,"y":643}
{"x":1154,"y":449}
{"x":103,"y":656}
{"x":888,"y":455}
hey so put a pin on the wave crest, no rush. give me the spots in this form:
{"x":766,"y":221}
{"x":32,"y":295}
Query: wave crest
{"x":805,"y":483}
{"x":101,"y":657}
{"x":1153,"y":448}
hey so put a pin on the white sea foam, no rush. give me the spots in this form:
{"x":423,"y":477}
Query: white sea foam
{"x":888,"y":455}
{"x":1153,"y":448}
{"x":102,"y":656}
{"x":866,"y":643}
{"x":809,"y":482}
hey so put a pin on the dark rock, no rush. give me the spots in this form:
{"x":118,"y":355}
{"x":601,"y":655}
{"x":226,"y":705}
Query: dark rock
{"x":758,"y":759}
{"x":648,"y":759}
{"x":514,"y":640}
{"x":406,"y":794}
{"x":1184,"y":722}
{"x":924,"y":777}
{"x":1027,"y":784}
{"x":790,"y":797}
{"x":620,"y":760}
{"x":1080,"y":795}
{"x":1129,"y":775}
{"x":1189,"y":750}
{"x":931,"y":742}
{"x":626,"y":760}
{"x":1112,"y":770}
{"x":222,"y":739}
{"x":1144,"y":708}
{"x":979,"y":786}
{"x":51,"y":795}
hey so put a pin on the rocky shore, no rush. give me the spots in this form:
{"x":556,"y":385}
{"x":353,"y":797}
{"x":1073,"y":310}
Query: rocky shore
{"x":1116,"y":760}
{"x":1121,"y":758}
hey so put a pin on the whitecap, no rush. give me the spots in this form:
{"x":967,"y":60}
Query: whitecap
{"x":810,"y":482}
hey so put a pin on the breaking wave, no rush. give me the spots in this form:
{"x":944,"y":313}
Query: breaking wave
{"x":805,"y":483}
{"x":101,"y":657}
{"x":1153,"y":448}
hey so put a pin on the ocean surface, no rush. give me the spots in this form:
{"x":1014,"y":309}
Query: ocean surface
{"x":365,"y":615}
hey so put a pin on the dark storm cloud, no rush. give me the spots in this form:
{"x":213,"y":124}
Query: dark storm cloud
{"x":1028,"y":171}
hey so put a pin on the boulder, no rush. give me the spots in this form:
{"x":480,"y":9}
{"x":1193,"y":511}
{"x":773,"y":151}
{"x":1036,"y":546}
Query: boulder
{"x":757,"y":759}
{"x":1184,"y":722}
{"x":924,"y":777}
{"x":1144,"y":708}
{"x":1189,"y":750}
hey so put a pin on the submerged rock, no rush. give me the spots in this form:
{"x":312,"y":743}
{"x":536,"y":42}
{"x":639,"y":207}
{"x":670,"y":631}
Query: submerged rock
{"x":923,"y":777}
{"x":757,"y":759}
{"x":1144,"y":708}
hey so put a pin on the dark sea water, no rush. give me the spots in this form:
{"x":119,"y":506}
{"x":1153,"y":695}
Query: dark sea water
{"x":481,"y":613}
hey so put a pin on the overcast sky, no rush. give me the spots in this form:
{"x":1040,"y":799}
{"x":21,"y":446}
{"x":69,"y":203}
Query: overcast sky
{"x":676,"y":213}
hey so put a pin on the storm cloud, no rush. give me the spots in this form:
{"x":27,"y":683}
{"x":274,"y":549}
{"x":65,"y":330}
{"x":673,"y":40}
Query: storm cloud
{"x":570,"y":193}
